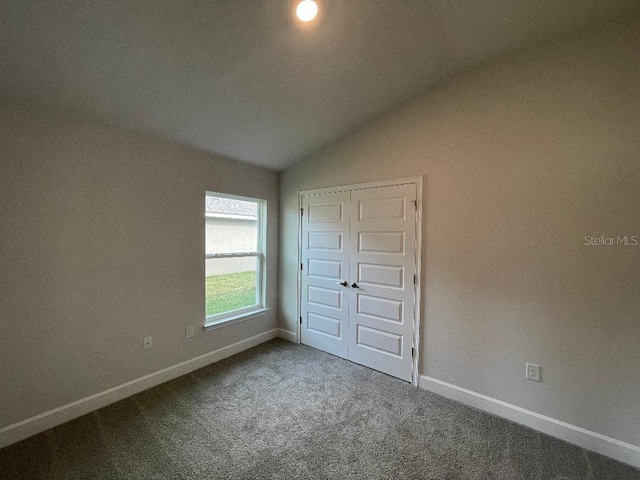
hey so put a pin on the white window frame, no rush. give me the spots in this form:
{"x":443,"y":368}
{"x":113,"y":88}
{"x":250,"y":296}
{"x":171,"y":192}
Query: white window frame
{"x":213,"y":322}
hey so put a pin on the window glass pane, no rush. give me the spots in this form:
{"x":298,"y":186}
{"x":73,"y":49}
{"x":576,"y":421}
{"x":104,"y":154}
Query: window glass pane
{"x":231,"y":225}
{"x":230,"y":284}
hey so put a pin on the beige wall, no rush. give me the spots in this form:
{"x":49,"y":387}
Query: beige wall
{"x":101,"y":244}
{"x":521,"y":159}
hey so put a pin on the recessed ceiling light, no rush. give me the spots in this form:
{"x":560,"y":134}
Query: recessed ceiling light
{"x":307,"y":10}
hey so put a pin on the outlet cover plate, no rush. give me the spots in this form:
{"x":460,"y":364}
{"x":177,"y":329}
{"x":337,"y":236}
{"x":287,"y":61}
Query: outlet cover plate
{"x":533,"y":372}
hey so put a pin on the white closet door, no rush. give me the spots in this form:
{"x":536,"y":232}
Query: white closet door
{"x":382,"y":265}
{"x":325,"y":264}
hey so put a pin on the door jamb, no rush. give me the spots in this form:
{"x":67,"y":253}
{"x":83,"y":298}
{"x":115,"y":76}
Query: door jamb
{"x":418,"y":182}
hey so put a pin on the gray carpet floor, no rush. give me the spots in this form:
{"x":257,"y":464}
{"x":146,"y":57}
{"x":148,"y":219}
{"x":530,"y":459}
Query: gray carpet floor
{"x":286,"y":411}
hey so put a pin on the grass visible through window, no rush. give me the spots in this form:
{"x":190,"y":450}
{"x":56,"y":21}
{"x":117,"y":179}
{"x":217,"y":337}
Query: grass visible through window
{"x":230,"y":291}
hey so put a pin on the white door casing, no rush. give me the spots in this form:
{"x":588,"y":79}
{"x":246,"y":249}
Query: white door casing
{"x":325,"y":264}
{"x":367,"y":237}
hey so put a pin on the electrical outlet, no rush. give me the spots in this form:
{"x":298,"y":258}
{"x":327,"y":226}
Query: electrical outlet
{"x":188,"y":331}
{"x":148,"y":342}
{"x":533,"y":372}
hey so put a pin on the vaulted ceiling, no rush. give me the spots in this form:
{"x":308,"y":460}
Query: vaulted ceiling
{"x":243,"y":78}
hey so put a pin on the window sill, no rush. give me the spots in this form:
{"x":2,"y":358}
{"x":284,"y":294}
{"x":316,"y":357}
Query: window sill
{"x":235,"y":319}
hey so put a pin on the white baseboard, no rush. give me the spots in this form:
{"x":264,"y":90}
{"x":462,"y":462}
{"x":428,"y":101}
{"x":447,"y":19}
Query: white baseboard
{"x":616,"y":449}
{"x":288,"y":335}
{"x":31,"y":426}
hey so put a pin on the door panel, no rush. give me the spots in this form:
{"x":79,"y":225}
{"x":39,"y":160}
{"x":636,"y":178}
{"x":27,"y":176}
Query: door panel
{"x":382,"y":260}
{"x":375,"y":208}
{"x":326,"y":241}
{"x":325,"y":263}
{"x":325,"y":297}
{"x":381,"y":242}
{"x":324,"y":325}
{"x":320,"y":268}
{"x":379,"y":341}
{"x":381,"y":308}
{"x":326,"y":213}
{"x":389,"y":276}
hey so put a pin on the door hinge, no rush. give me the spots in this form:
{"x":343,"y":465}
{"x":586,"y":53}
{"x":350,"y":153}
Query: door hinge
{"x":413,"y":353}
{"x":300,"y":266}
{"x":414,"y":279}
{"x":302,"y":212}
{"x":300,"y":320}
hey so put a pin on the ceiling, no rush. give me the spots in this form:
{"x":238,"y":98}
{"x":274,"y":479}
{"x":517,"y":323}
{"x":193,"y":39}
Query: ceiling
{"x":242,"y":78}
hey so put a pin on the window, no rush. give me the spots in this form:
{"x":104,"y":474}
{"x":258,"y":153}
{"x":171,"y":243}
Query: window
{"x":234,"y":258}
